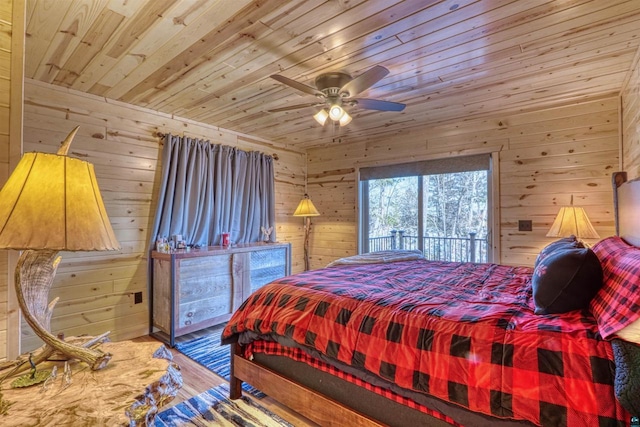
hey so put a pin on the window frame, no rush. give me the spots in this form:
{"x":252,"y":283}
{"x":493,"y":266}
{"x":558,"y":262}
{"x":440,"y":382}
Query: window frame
{"x":493,"y":208}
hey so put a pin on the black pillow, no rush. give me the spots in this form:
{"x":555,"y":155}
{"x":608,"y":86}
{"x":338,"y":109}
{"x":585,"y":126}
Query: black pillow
{"x":564,"y":243}
{"x":566,"y":277}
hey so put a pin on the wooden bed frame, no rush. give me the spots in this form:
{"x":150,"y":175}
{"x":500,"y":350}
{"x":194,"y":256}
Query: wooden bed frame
{"x":305,"y":401}
{"x":328,"y":412}
{"x":626,"y":200}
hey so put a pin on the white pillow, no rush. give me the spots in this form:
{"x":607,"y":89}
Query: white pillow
{"x":631,"y":332}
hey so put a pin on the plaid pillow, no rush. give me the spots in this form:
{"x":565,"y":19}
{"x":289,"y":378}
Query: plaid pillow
{"x":610,"y":247}
{"x":617,"y":304}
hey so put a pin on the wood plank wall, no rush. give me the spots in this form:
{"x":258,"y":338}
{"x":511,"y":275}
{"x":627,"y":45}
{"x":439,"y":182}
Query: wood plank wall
{"x":630,"y":95}
{"x":96,"y":288}
{"x":545,"y":157}
{"x":12,"y":24}
{"x":5,"y":95}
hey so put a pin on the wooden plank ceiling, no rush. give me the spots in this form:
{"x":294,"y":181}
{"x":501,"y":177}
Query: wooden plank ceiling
{"x":210,"y":60}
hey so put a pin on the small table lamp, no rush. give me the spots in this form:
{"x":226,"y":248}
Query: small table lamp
{"x":306,"y":209}
{"x":572,"y":220}
{"x":52,"y":203}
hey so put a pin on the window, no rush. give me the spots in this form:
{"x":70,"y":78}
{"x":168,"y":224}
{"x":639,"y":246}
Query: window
{"x":441,"y":207}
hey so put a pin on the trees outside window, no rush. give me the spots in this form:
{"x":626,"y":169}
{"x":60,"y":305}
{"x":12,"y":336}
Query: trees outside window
{"x":393,"y":205}
{"x":455,"y":204}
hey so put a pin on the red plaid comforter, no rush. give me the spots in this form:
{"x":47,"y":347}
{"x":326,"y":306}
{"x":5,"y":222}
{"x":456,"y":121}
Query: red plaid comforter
{"x":462,"y":332}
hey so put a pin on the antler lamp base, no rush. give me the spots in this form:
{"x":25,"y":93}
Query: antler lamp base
{"x":33,"y":279}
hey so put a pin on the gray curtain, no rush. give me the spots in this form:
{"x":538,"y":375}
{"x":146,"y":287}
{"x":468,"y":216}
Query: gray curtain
{"x":209,"y":189}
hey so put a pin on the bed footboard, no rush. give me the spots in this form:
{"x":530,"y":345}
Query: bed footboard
{"x":313,"y":405}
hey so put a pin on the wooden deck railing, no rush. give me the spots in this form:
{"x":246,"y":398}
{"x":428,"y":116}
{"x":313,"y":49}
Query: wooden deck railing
{"x":436,"y":248}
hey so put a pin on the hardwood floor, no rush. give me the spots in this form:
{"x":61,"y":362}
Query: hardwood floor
{"x":197,"y":379}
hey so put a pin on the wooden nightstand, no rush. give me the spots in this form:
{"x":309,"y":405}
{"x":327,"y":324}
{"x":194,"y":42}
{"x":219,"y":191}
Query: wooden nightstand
{"x":132,"y":379}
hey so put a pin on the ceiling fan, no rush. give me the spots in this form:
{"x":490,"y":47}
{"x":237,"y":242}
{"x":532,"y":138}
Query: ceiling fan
{"x":336,"y":89}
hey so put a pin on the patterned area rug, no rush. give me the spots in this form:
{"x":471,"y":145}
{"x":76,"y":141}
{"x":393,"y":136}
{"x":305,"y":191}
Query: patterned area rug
{"x":207,"y":351}
{"x":213,"y":408}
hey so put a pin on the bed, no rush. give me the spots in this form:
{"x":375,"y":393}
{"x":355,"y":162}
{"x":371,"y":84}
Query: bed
{"x":404,"y":341}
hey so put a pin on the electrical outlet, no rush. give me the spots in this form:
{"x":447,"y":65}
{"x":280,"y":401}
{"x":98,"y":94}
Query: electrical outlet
{"x":525,"y":225}
{"x":137,"y":298}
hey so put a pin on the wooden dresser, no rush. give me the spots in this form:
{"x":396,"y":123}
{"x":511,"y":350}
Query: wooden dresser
{"x":195,"y":289}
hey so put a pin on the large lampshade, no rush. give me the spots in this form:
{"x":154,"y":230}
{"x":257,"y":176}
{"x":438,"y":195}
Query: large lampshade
{"x":306,"y":208}
{"x":52,"y":201}
{"x":572,"y":220}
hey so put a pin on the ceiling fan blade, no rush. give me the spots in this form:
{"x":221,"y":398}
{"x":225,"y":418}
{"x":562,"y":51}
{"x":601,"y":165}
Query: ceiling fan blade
{"x":297,"y":85}
{"x":376,"y":104}
{"x":365,"y":80}
{"x":294,"y":107}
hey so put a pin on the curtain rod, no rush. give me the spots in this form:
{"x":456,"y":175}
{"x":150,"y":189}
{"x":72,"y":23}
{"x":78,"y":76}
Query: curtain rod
{"x":162,"y":135}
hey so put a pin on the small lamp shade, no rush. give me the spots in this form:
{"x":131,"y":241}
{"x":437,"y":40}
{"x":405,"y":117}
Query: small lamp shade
{"x":336,"y":112}
{"x":52,"y":201}
{"x":321,"y":116}
{"x":572,"y":220}
{"x":306,"y":208}
{"x":345,"y":119}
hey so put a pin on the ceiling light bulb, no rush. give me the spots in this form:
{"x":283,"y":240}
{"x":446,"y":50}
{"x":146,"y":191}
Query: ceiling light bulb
{"x":345,"y":119}
{"x":321,"y":116}
{"x":336,"y":112}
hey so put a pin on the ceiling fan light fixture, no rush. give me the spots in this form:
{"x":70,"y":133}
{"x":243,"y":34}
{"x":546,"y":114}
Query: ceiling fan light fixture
{"x":345,"y":119}
{"x":336,"y":112}
{"x":321,"y":116}
{"x":336,"y":89}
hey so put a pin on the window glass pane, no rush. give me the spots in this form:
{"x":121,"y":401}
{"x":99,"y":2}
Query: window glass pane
{"x":393,"y":211}
{"x":455,"y":216}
